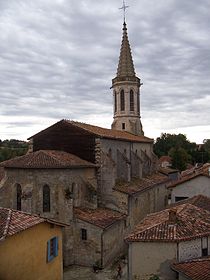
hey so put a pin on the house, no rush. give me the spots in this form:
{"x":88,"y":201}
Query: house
{"x":173,"y":235}
{"x":30,"y":247}
{"x":100,"y":236}
{"x":196,"y":269}
{"x":165,"y":161}
{"x":191,"y":184}
{"x":50,"y":183}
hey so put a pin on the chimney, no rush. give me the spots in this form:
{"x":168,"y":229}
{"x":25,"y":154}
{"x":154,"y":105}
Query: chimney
{"x":172,"y":216}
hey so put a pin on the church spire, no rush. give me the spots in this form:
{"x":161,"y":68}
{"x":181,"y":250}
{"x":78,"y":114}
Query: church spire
{"x":125,"y":65}
{"x":126,"y":91}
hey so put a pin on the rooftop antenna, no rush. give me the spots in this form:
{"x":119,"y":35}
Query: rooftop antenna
{"x":124,"y":7}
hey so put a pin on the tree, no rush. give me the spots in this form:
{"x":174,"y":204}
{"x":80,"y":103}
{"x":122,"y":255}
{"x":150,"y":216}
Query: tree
{"x":180,"y":158}
{"x":180,"y":149}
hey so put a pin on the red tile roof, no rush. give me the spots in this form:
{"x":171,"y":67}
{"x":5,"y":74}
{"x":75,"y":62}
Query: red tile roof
{"x":196,"y":269}
{"x":203,"y":171}
{"x":100,"y":217}
{"x":102,"y":132}
{"x":165,"y":158}
{"x":180,"y":223}
{"x":12,"y":222}
{"x":47,"y":159}
{"x":200,"y":201}
{"x":139,"y":185}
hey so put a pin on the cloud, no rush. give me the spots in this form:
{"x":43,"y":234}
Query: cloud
{"x":57,"y":59}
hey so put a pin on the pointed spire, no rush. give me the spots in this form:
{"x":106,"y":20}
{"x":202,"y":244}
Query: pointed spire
{"x":125,"y":66}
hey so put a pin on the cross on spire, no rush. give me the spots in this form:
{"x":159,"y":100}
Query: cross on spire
{"x":124,"y":7}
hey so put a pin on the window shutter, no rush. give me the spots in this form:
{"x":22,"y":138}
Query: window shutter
{"x":56,"y":246}
{"x":48,"y":251}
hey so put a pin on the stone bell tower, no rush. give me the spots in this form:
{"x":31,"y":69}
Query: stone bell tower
{"x":126,"y":92}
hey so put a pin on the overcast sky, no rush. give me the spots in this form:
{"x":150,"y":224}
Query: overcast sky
{"x":57,"y":59}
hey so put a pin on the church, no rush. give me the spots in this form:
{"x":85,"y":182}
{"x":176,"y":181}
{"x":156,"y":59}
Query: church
{"x":99,"y":182}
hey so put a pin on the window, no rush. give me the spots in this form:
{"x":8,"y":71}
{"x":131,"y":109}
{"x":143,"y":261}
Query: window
{"x":123,"y":125}
{"x":131,"y":100}
{"x":46,"y":198}
{"x":122,"y":100}
{"x":178,"y":198}
{"x":115,"y":101}
{"x":83,"y":234}
{"x":18,"y":196}
{"x":204,"y":242}
{"x":138,"y":103}
{"x":52,"y":248}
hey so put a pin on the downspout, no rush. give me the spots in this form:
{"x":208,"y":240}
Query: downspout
{"x":102,"y":248}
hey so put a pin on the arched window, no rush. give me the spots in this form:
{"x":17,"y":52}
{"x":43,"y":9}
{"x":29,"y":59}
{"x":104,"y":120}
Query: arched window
{"x":131,"y":100}
{"x":18,"y":196}
{"x":138,"y":104}
{"x":46,"y":198}
{"x":115,"y":101}
{"x":122,"y":100}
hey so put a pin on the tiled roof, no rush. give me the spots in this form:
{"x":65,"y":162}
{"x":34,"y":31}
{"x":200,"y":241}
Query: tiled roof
{"x":101,"y":132}
{"x":139,"y":185}
{"x":195,"y":269}
{"x":200,"y":201}
{"x":181,"y":223}
{"x":100,"y":217}
{"x":2,"y":173}
{"x":12,"y":222}
{"x":203,"y":171}
{"x":167,"y":170}
{"x":47,"y":159}
{"x":165,"y":158}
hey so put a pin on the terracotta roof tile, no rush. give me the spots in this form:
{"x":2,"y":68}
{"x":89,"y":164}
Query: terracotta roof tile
{"x":195,"y":269}
{"x":12,"y":221}
{"x":102,"y":132}
{"x":200,"y":201}
{"x":138,"y":185}
{"x":203,"y":171}
{"x":180,"y":223}
{"x":47,"y":159}
{"x":101,"y":217}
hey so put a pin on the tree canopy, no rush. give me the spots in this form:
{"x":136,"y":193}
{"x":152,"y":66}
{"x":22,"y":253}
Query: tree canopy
{"x":181,"y":150}
{"x":12,"y":148}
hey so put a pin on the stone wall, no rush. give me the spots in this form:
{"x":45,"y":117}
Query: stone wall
{"x":148,"y":258}
{"x":87,"y":252}
{"x":113,"y":242}
{"x":148,"y":201}
{"x":120,"y":160}
{"x":68,"y":188}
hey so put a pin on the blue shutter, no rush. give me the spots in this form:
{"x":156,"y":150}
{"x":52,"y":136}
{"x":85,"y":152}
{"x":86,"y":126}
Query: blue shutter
{"x":56,"y":246}
{"x":48,"y":251}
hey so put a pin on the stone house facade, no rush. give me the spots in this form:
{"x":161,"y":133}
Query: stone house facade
{"x":173,"y":235}
{"x":192,"y":184}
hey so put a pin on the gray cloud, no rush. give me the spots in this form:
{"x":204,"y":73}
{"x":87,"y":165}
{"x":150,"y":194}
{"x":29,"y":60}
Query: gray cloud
{"x":57,"y":59}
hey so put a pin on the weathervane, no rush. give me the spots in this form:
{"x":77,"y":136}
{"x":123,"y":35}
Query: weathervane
{"x":124,"y":7}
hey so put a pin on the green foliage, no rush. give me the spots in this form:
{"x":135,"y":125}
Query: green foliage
{"x":12,"y":148}
{"x":154,"y":277}
{"x":181,"y":150}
